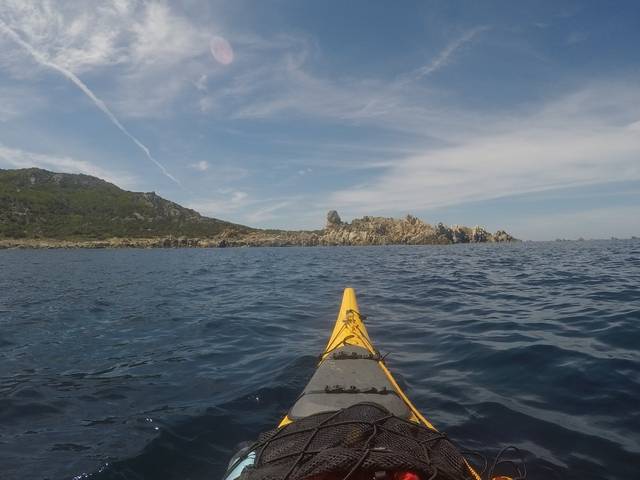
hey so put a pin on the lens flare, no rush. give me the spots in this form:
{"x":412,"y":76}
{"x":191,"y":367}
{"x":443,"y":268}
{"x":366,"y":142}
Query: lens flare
{"x":221,"y":50}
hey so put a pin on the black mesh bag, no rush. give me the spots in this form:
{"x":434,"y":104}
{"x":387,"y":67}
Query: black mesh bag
{"x":355,"y":442}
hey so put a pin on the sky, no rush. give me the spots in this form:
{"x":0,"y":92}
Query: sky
{"x":523,"y":116}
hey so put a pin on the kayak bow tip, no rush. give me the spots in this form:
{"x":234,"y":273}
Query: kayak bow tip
{"x":349,"y":302}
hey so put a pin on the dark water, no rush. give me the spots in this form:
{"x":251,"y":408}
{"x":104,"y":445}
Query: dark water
{"x":131,"y":364}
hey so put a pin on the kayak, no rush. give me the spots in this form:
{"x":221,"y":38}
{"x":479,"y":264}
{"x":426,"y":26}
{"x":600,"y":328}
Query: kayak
{"x":352,"y":420}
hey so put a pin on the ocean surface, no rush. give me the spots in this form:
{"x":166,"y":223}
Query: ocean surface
{"x":155,"y":364}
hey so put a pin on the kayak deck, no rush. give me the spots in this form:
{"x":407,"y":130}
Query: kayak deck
{"x":352,"y":371}
{"x":349,"y":375}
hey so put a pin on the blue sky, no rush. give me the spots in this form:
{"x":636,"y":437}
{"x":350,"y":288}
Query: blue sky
{"x":516,"y":115}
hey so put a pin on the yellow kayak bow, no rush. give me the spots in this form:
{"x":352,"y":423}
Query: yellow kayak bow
{"x":350,"y":340}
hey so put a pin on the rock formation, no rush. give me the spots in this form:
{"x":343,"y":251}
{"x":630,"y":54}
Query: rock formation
{"x":361,"y":231}
{"x":333,"y":220}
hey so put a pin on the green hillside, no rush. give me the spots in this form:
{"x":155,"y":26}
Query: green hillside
{"x":36,"y":203}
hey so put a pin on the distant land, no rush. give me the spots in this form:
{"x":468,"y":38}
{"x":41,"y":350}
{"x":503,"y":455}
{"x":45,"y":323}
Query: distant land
{"x":43,"y":209}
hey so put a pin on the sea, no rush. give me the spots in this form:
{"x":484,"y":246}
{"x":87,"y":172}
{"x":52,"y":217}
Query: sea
{"x":155,"y":364}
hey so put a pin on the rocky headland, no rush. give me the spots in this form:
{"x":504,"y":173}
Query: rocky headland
{"x":360,"y":232}
{"x":41,"y":209}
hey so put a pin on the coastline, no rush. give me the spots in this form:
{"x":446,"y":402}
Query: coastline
{"x":152,"y":243}
{"x":48,"y":210}
{"x":321,"y":238}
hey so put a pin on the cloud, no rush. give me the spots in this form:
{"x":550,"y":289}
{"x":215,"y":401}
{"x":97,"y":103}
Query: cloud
{"x":584,"y":138}
{"x":369,"y":101}
{"x":238,"y":196}
{"x":267,"y":212}
{"x":17,"y":158}
{"x":201,"y":166}
{"x":201,"y":83}
{"x":43,"y":60}
{"x":163,"y":43}
{"x":141,"y":41}
{"x":280,"y":86}
{"x":443,"y":58}
{"x":162,"y":38}
{"x":227,"y":202}
{"x":82,"y":37}
{"x":243,"y":208}
{"x":285,"y":88}
{"x":76,"y":36}
{"x":144,"y":41}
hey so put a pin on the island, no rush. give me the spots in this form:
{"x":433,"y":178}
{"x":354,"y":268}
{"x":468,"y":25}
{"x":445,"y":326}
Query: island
{"x":43,"y":209}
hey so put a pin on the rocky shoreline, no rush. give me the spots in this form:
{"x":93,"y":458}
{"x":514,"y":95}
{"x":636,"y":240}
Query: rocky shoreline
{"x":360,"y":232}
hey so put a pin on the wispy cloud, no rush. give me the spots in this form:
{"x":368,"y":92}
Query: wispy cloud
{"x":444,"y":57}
{"x":82,"y":37}
{"x":282,"y":86}
{"x":18,"y":158}
{"x":225,"y":202}
{"x":201,"y":166}
{"x":163,"y":38}
{"x":583,"y":138}
{"x":286,"y":88}
{"x":44,"y":61}
{"x":70,"y":35}
{"x":150,"y":40}
{"x":267,"y":212}
{"x":245,"y":208}
{"x":141,"y":41}
{"x":162,"y":43}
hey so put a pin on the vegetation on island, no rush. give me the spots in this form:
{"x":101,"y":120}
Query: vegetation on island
{"x":36,"y":203}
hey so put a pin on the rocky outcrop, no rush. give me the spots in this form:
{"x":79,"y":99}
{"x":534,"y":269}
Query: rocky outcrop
{"x":333,"y":220}
{"x":406,"y":231}
{"x":361,"y":231}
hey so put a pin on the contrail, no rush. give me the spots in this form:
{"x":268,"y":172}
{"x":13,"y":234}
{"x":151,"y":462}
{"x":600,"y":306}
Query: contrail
{"x":41,"y":59}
